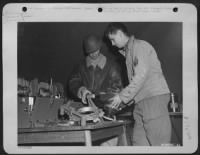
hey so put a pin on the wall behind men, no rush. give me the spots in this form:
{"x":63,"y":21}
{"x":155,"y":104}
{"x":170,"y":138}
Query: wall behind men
{"x":51,"y":50}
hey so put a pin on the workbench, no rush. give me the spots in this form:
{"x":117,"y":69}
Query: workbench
{"x":74,"y":134}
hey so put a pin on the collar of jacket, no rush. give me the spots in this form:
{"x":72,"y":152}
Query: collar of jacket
{"x":127,"y":47}
{"x":129,"y":44}
{"x":100,"y":61}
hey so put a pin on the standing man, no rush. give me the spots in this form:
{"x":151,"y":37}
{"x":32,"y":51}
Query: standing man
{"x":147,"y":87}
{"x":96,"y":74}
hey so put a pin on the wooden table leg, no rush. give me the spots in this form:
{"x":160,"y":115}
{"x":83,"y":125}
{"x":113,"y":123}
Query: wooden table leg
{"x":88,"y":139}
{"x":122,"y":139}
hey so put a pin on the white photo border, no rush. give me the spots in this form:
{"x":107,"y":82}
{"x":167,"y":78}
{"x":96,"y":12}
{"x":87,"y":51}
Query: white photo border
{"x":81,"y":12}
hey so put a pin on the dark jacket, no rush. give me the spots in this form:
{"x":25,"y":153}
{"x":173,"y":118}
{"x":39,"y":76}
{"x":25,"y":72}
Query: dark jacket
{"x":96,"y":80}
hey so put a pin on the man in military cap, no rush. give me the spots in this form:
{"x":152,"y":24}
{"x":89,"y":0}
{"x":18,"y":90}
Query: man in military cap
{"x":95,"y":74}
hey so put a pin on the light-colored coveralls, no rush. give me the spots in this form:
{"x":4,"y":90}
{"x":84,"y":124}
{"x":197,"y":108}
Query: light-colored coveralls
{"x":148,"y":87}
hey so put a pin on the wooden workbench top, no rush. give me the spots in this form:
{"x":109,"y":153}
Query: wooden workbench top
{"x":73,"y":127}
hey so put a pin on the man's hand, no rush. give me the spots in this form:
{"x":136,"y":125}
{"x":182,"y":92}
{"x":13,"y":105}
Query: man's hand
{"x":82,"y":94}
{"x":115,"y":102}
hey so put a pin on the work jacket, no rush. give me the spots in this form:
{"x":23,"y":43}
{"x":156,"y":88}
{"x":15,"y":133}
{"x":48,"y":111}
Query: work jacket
{"x":144,"y":71}
{"x":96,"y":80}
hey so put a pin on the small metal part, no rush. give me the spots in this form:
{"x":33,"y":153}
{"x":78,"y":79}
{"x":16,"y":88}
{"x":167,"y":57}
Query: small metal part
{"x":86,"y":110}
{"x":83,"y":114}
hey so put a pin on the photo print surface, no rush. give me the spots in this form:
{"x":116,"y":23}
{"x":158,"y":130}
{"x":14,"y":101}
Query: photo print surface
{"x":47,"y":43}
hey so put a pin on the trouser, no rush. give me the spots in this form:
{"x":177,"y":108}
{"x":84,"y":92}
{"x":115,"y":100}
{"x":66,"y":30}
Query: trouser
{"x":152,"y":123}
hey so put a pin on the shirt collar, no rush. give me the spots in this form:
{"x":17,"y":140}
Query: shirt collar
{"x":128,"y":45}
{"x":100,"y":61}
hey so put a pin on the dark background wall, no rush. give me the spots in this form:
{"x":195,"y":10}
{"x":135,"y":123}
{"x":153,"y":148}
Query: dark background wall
{"x":48,"y":50}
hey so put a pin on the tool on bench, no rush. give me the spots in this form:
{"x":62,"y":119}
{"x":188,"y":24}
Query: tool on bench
{"x":83,"y":114}
{"x":102,"y":101}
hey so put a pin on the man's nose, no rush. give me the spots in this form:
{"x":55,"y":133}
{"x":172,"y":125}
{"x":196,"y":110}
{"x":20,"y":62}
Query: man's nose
{"x":112,"y":43}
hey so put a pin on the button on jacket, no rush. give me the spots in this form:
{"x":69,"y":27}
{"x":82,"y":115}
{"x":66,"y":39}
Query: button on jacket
{"x":145,"y":75}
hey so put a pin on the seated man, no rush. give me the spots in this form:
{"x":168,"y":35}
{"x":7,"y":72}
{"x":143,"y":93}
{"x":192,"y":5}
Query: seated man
{"x":96,"y":74}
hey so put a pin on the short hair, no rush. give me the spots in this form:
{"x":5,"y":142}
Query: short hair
{"x":114,"y":27}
